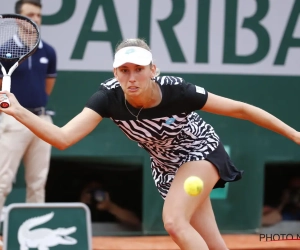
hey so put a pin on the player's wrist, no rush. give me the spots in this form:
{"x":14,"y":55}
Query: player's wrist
{"x":20,"y":113}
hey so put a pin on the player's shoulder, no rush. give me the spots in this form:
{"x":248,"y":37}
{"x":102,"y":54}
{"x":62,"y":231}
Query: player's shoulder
{"x":169,"y":80}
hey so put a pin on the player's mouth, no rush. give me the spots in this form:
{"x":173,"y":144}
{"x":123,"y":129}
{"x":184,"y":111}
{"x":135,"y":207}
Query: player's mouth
{"x":133,"y":89}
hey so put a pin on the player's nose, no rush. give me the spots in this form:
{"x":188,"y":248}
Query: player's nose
{"x":132,"y":77}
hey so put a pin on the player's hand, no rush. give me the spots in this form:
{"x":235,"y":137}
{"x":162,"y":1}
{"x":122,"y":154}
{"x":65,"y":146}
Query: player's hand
{"x":14,"y":104}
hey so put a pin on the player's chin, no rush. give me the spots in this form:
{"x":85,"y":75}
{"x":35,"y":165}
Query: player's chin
{"x":133,"y":91}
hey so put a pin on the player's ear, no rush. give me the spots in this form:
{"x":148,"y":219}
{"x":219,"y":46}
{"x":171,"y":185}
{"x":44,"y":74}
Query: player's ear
{"x":115,"y":73}
{"x":153,"y":70}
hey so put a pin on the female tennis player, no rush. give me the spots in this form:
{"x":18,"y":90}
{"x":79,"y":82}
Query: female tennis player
{"x":158,"y":112}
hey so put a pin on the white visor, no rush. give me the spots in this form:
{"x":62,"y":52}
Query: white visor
{"x":133,"y":54}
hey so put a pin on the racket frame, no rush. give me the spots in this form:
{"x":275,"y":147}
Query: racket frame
{"x":6,"y":80}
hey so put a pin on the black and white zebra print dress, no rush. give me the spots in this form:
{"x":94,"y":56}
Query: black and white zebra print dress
{"x":172,"y":132}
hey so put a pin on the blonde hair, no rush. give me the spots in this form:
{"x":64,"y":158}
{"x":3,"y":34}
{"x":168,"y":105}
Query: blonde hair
{"x":137,"y":42}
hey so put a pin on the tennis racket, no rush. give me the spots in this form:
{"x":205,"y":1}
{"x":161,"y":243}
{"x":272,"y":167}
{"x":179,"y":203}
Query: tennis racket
{"x":19,"y":39}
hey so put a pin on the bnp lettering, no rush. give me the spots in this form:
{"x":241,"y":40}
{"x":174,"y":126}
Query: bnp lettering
{"x":231,"y":25}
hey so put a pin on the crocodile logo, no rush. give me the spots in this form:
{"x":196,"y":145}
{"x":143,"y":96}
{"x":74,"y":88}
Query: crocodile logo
{"x":43,"y":238}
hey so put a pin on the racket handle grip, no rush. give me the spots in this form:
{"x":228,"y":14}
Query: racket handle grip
{"x":5,"y":103}
{"x":6,"y":83}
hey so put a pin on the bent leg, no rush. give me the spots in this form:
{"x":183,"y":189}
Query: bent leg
{"x":204,"y":222}
{"x":179,"y":206}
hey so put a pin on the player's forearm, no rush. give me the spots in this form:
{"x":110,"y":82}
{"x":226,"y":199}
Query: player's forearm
{"x":268,"y":121}
{"x":48,"y":132}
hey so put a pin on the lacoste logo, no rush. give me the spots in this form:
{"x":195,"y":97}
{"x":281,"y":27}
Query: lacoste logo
{"x":44,"y":60}
{"x":43,"y":238}
{"x":170,"y":120}
{"x":129,"y":51}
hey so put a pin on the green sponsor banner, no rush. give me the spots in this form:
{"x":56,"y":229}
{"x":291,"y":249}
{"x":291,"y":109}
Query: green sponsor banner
{"x":47,"y":226}
{"x":237,"y":37}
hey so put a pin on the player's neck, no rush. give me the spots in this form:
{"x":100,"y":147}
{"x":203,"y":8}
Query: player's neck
{"x":150,"y":98}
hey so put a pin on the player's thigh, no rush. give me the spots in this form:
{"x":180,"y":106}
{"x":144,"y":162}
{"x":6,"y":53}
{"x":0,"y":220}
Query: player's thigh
{"x":178,"y":202}
{"x":204,"y":222}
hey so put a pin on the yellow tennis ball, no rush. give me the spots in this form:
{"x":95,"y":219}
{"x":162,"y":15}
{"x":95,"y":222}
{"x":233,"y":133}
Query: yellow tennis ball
{"x":193,"y":185}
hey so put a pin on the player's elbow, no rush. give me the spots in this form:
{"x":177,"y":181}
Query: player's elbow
{"x":64,"y":139}
{"x":60,"y":146}
{"x":248,"y":112}
{"x":63,"y":144}
{"x":241,"y":111}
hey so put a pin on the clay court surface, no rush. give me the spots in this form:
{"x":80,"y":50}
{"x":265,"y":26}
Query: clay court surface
{"x":234,"y":242}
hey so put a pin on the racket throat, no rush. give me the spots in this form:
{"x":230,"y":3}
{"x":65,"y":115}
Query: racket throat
{"x":12,"y":69}
{"x":6,"y":83}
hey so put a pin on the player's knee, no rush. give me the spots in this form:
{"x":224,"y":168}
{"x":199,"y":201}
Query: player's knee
{"x":175,"y":226}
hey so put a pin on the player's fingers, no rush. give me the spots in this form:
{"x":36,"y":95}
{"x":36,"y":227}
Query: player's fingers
{"x":6,"y":94}
{"x":6,"y":99}
{"x":2,"y":96}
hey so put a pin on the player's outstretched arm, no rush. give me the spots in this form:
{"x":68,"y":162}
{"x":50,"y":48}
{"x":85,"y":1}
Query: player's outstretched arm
{"x":227,"y":107}
{"x":61,"y":138}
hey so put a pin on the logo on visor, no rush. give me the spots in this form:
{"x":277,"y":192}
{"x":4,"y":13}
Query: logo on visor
{"x":129,"y":51}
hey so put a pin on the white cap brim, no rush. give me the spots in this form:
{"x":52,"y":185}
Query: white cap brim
{"x":133,"y":54}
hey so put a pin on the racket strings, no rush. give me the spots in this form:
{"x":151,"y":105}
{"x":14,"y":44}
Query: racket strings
{"x":17,"y":38}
